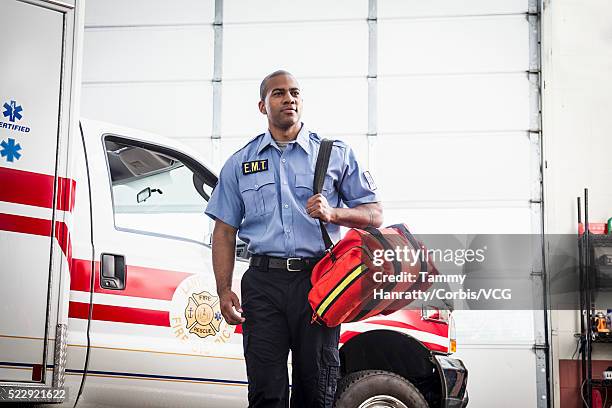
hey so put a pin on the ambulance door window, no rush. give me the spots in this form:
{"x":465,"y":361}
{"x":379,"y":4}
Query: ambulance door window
{"x":155,"y":193}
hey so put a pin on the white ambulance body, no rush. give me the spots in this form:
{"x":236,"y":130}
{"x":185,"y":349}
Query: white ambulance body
{"x":108,"y":293}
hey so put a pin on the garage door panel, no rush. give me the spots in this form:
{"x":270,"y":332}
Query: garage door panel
{"x":282,"y":10}
{"x":418,"y":8}
{"x":454,"y":45}
{"x":454,"y":103}
{"x":239,"y":111}
{"x":172,"y":109}
{"x":230,"y":145}
{"x":135,"y":12}
{"x":500,"y":376}
{"x":434,"y":218}
{"x":337,"y":106}
{"x":145,"y":54}
{"x":203,"y":145}
{"x":330,"y":106}
{"x":359,"y":144}
{"x":305,"y":49}
{"x":474,"y":167}
{"x":482,"y":327}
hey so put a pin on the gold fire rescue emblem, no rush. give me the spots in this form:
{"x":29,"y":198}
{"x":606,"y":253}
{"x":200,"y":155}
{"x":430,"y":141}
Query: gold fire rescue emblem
{"x":203,"y":314}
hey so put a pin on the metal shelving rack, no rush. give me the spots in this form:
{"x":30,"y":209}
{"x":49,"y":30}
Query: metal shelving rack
{"x":586,"y":243}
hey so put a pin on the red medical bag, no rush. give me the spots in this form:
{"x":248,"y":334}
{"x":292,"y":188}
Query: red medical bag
{"x":345,"y":283}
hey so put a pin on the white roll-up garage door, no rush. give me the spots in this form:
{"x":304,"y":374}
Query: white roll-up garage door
{"x":447,"y":89}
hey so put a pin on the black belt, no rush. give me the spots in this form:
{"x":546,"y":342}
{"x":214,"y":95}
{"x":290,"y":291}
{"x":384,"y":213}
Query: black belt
{"x":287,"y":264}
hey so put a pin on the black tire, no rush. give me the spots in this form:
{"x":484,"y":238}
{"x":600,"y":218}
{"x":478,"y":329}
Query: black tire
{"x":361,"y":386}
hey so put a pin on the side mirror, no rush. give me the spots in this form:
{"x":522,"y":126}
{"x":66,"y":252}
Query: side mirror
{"x":143,"y":195}
{"x":146,"y":193}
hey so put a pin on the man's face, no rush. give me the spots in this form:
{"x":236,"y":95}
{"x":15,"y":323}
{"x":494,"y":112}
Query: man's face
{"x":283,"y":103}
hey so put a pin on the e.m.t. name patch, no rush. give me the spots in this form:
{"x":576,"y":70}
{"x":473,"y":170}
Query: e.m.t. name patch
{"x":254,"y":166}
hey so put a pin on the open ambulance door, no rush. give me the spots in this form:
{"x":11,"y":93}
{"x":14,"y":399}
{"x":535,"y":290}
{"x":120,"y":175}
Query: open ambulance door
{"x":36,"y":189}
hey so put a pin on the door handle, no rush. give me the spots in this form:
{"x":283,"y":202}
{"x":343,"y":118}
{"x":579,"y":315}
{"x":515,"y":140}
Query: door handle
{"x":113,"y":272}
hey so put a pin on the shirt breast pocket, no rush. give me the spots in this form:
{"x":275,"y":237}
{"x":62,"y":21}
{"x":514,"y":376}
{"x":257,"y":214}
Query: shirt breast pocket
{"x":258,"y":193}
{"x":303,"y":187}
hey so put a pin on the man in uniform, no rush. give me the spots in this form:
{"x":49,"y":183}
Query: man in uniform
{"x":265,"y":195}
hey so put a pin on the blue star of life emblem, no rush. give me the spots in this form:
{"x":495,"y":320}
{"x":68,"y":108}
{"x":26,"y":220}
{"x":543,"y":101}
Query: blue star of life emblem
{"x":12,"y":111}
{"x":10,"y":149}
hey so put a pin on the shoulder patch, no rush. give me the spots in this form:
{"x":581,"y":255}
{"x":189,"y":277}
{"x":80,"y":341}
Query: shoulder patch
{"x":254,"y":166}
{"x":370,"y":180}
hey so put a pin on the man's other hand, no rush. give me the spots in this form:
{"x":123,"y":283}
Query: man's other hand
{"x":229,"y":301}
{"x":318,"y":207}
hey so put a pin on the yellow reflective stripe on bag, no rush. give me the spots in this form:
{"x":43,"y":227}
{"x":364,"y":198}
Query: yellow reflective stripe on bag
{"x":344,"y":283}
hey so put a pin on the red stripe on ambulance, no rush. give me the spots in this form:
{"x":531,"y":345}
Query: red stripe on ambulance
{"x":38,"y":226}
{"x":119,"y":314}
{"x":424,"y":325}
{"x":25,"y":187}
{"x":142,"y":282}
{"x":25,"y":225}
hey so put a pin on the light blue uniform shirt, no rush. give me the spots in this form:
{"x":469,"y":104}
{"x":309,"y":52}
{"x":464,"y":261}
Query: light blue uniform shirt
{"x":263,"y":192}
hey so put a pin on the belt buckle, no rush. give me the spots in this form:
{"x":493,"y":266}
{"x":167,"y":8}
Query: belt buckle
{"x":289,"y":264}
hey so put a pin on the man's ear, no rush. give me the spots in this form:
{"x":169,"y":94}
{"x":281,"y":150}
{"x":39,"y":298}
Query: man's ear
{"x":262,"y":107}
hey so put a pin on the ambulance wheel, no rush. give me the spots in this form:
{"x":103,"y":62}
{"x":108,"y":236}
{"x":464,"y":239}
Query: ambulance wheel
{"x":377,"y":389}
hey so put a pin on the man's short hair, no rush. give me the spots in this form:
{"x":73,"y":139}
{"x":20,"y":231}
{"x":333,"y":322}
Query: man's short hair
{"x":264,"y":82}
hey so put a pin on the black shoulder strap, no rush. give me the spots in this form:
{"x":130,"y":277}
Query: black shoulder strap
{"x":319,"y":177}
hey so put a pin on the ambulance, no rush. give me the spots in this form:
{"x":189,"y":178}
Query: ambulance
{"x":108,"y":292}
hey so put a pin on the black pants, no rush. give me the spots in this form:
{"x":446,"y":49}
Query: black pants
{"x":277,"y":319}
